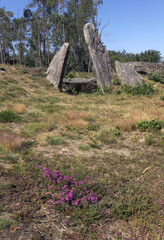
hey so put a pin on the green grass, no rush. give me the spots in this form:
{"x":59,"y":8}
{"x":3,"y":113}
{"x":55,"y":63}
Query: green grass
{"x":6,"y":223}
{"x":9,"y":116}
{"x":55,"y":140}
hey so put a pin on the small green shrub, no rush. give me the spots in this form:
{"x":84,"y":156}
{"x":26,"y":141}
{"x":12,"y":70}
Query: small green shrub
{"x":24,"y":71}
{"x":108,"y":136}
{"x":28,"y":144}
{"x":6,"y":223}
{"x":149,"y":140}
{"x":55,"y":140}
{"x":116,"y":81}
{"x":106,"y":89}
{"x":162,"y":98}
{"x":93,"y":127}
{"x":153,"y":125}
{"x":71,"y":74}
{"x":9,"y":116}
{"x":144,"y":89}
{"x":118,"y":91}
{"x":156,"y":77}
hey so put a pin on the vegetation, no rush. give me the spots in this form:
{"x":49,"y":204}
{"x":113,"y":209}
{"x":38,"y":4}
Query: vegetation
{"x":107,"y":149}
{"x":156,"y":77}
{"x":144,"y":89}
{"x":153,"y":125}
{"x":46,"y":25}
{"x":9,"y":116}
{"x":146,"y":56}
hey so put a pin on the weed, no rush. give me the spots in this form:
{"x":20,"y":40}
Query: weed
{"x":30,"y":129}
{"x":162,"y":98}
{"x":24,"y":71}
{"x":108,"y":136}
{"x":71,"y":74}
{"x":153,"y":125}
{"x":5,"y":223}
{"x":9,"y":116}
{"x":149,"y":140}
{"x":55,"y":140}
{"x":28,"y":144}
{"x":118,"y":91}
{"x":83,"y":147}
{"x":144,"y":89}
{"x":116,"y":81}
{"x":92,"y":127}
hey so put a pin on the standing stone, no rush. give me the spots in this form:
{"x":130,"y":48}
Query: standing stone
{"x":102,"y":68}
{"x":127,"y":74}
{"x":55,"y":72}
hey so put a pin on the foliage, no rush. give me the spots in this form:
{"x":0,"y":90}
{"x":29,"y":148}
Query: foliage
{"x":69,"y":194}
{"x":93,"y":127}
{"x":147,"y":56}
{"x":55,"y":140}
{"x":116,"y":81}
{"x":153,"y":125}
{"x":9,"y":116}
{"x":156,"y":77}
{"x":162,"y":98}
{"x":144,"y":89}
{"x":108,"y":136}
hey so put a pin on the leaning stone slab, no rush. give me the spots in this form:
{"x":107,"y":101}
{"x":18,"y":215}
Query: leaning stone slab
{"x":80,"y":84}
{"x":102,"y":68}
{"x":55,"y":72}
{"x":127,"y":74}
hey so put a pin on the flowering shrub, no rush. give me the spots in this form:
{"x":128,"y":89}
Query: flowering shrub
{"x":69,"y":193}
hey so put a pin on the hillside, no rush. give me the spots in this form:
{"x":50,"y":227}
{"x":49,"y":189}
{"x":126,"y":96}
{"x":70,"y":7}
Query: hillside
{"x":81,"y":137}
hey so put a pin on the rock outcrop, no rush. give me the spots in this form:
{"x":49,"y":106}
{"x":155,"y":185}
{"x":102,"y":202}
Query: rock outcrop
{"x":102,"y":68}
{"x":80,"y":84}
{"x":55,"y":72}
{"x":127,"y":74}
{"x":147,"y":67}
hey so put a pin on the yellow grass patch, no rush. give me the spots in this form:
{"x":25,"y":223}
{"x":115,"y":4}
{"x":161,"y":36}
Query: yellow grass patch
{"x":18,"y":107}
{"x":76,"y":119}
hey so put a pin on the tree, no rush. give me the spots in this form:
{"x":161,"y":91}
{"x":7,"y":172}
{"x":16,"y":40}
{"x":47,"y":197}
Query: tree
{"x":5,"y":34}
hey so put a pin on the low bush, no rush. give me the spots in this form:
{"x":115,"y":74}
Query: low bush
{"x":144,"y":89}
{"x":156,"y":77}
{"x":116,"y":81}
{"x":55,"y":140}
{"x":9,"y":116}
{"x":108,"y":136}
{"x":153,"y":125}
{"x":78,"y":198}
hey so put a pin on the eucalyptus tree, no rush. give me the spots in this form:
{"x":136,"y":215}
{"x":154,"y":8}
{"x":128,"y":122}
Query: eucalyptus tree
{"x":5,"y":34}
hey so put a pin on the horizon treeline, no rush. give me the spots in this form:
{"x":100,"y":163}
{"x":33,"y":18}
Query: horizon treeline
{"x":33,"y":39}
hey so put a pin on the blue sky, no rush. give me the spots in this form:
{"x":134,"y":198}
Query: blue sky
{"x":134,"y":25}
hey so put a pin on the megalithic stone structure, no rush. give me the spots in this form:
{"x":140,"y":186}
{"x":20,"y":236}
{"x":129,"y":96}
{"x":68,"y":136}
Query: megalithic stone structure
{"x":127,"y":74}
{"x":55,"y":71}
{"x":102,"y":68}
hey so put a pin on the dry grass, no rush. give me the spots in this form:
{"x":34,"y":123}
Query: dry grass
{"x":129,"y":119}
{"x":18,"y":107}
{"x":10,"y":142}
{"x":76,"y":119}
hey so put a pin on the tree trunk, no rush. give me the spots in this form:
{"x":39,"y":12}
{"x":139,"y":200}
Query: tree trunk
{"x":44,"y":34}
{"x":63,"y":21}
{"x":1,"y":51}
{"x":48,"y":49}
{"x":39,"y":42}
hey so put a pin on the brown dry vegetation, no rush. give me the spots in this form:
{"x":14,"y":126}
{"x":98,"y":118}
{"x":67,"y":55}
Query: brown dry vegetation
{"x":90,"y":134}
